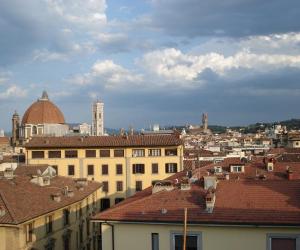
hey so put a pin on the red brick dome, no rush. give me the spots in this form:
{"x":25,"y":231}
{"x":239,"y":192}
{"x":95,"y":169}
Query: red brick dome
{"x":43,"y":111}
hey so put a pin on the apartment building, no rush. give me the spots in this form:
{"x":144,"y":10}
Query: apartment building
{"x":231,"y":207}
{"x":39,"y":210}
{"x":123,"y":164}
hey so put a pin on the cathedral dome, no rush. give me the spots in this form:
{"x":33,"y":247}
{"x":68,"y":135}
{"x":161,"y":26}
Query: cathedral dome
{"x":43,"y":111}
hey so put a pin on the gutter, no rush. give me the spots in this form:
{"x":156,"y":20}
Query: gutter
{"x":201,"y":224}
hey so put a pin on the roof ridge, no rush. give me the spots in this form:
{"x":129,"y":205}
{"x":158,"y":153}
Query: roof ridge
{"x":8,"y":208}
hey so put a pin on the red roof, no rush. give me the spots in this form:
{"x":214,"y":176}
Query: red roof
{"x":24,"y":200}
{"x":4,"y":140}
{"x":104,"y":141}
{"x":244,"y":200}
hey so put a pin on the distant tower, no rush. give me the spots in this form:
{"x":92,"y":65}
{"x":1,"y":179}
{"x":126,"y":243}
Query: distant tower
{"x":98,"y":118}
{"x":205,"y":121}
{"x":15,"y":129}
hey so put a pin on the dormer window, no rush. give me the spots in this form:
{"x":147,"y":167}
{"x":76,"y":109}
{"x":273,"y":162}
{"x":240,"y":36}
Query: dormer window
{"x":218,"y":169}
{"x":237,"y":169}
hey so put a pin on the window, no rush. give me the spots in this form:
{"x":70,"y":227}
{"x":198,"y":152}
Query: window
{"x":154,"y":152}
{"x":283,"y":241}
{"x":104,"y":153}
{"x":155,"y":241}
{"x":138,"y":152}
{"x":71,"y":170}
{"x":119,"y":186}
{"x":105,"y":186}
{"x":87,"y":226}
{"x":90,"y":153}
{"x":119,"y":169}
{"x":90,"y":169}
{"x":54,"y":154}
{"x":171,"y":167}
{"x":171,"y":152}
{"x":138,"y":168}
{"x":154,"y":168}
{"x":138,"y":186}
{"x":66,"y":241}
{"x":105,"y":169}
{"x":71,"y":153}
{"x":38,"y":154}
{"x":56,"y":168}
{"x":34,"y":130}
{"x":29,"y":232}
{"x":80,"y":233}
{"x":80,"y":210}
{"x":66,"y":217}
{"x":237,"y":169}
{"x":193,"y":241}
{"x":119,"y":153}
{"x":87,"y":205}
{"x":48,"y":224}
{"x":104,"y":204}
{"x":118,"y":200}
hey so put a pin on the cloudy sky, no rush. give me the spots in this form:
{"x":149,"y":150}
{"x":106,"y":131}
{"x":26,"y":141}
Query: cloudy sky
{"x":152,"y":61}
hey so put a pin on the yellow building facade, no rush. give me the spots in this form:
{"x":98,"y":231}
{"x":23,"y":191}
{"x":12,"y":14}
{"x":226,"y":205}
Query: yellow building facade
{"x":210,"y":237}
{"x":123,"y":168}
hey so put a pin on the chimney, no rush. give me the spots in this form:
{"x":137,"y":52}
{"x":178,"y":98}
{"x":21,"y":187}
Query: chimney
{"x":81,"y":181}
{"x":210,"y":182}
{"x":290,"y":174}
{"x":56,"y":197}
{"x":162,"y":186}
{"x":8,"y":173}
{"x":185,"y":184}
{"x":210,"y":199}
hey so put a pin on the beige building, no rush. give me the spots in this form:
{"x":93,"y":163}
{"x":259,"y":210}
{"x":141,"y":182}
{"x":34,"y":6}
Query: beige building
{"x":123,"y":164}
{"x":39,"y":210}
{"x":253,"y":208}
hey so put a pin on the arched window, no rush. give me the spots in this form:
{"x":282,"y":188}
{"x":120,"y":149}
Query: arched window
{"x":34,"y":130}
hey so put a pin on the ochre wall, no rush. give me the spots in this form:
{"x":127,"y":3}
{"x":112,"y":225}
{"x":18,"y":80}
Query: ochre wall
{"x":137,"y":237}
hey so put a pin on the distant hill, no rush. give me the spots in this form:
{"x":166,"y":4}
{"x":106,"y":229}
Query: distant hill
{"x":253,"y":128}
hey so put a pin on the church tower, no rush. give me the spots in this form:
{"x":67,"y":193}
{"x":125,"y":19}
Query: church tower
{"x":98,"y":118}
{"x":205,"y":122}
{"x":15,"y":129}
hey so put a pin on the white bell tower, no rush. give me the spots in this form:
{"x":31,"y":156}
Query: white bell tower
{"x":98,"y":118}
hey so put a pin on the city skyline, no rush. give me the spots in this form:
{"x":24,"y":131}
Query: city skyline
{"x":157,"y":61}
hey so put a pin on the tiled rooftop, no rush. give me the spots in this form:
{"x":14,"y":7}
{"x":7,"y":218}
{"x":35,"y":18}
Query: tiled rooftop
{"x":104,"y":141}
{"x":24,"y":200}
{"x":247,"y":199}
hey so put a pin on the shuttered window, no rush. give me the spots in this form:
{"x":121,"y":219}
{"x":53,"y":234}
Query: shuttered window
{"x":38,"y":154}
{"x":54,"y":154}
{"x":138,"y":168}
{"x":71,"y":153}
{"x":89,"y":153}
{"x":104,"y":153}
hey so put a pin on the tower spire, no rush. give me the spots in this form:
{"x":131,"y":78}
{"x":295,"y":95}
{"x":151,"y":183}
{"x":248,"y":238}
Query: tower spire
{"x":44,"y":96}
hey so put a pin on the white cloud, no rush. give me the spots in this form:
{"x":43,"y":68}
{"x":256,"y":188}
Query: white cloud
{"x":108,"y":74}
{"x":45,"y":55}
{"x":88,"y":13}
{"x":172,"y":64}
{"x":4,"y":76}
{"x":13,"y":91}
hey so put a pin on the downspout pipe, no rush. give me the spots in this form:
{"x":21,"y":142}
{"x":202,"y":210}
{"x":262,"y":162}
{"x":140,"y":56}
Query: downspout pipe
{"x":112,"y":234}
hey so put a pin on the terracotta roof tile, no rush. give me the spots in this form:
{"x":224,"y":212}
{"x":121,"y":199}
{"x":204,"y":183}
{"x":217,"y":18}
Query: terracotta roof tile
{"x":237,"y":202}
{"x":43,"y":111}
{"x":104,"y":141}
{"x":24,"y":200}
